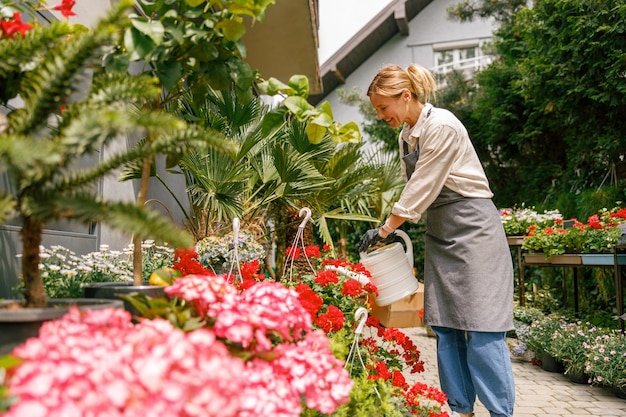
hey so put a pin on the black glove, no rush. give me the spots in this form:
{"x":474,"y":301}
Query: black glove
{"x":372,"y":237}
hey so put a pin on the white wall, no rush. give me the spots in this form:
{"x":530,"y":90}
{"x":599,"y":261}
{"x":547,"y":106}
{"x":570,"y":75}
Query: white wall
{"x":429,"y":27}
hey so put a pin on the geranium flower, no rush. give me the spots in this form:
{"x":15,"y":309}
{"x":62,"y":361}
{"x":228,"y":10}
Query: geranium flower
{"x":11,"y":27}
{"x":65,"y":7}
{"x":331,"y":321}
{"x":326,"y":277}
{"x":352,"y":288}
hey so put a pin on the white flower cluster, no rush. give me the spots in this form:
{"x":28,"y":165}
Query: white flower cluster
{"x":63,"y":272}
{"x":219,"y":252}
{"x":517,"y":220}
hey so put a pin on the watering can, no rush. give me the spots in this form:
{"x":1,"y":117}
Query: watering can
{"x":391,"y":269}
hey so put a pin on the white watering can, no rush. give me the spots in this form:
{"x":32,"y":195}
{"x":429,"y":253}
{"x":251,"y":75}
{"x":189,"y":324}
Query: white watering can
{"x":391,"y":268}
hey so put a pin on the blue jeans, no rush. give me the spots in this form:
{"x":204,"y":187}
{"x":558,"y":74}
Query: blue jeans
{"x":475,"y":363}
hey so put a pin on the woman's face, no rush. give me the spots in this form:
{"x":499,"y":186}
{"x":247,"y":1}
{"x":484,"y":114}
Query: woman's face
{"x":393,"y":110}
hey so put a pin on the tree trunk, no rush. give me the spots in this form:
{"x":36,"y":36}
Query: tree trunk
{"x":35,"y":293}
{"x":141,"y":201}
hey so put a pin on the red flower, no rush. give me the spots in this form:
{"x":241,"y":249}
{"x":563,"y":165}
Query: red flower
{"x":293,"y":252}
{"x":313,"y":251}
{"x":310,"y":300}
{"x":250,"y":271}
{"x":326,"y":277}
{"x":331,"y":321}
{"x":398,"y":380}
{"x":11,"y":27}
{"x":594,"y":222}
{"x":326,"y":247}
{"x":352,"y":288}
{"x":66,"y":8}
{"x":187,"y":262}
{"x":380,"y":371}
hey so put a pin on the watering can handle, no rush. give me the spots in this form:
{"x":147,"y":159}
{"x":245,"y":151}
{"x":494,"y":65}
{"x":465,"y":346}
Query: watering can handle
{"x":408,"y":244}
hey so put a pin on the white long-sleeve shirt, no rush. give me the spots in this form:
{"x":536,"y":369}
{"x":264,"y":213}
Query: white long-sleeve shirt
{"x":446,"y":158}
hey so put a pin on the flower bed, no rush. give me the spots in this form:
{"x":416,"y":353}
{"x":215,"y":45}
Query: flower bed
{"x":219,"y":346}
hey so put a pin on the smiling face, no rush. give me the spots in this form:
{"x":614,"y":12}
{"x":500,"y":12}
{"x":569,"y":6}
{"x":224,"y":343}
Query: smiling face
{"x":397,"y":109}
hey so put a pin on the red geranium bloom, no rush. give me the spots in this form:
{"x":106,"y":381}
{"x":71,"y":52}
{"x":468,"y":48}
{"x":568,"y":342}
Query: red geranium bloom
{"x":331,"y":321}
{"x":312,"y":251}
{"x":310,"y":300}
{"x":187,"y":262}
{"x":66,"y":8}
{"x":352,"y":288}
{"x":11,"y":27}
{"x":293,"y":252}
{"x":326,"y":277}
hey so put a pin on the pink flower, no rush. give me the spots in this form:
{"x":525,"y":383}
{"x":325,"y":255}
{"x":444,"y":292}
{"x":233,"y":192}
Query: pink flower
{"x":80,"y":365}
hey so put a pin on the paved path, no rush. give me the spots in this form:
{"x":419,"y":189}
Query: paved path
{"x":538,"y":393}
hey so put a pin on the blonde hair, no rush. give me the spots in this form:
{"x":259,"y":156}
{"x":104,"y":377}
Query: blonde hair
{"x":392,"y":79}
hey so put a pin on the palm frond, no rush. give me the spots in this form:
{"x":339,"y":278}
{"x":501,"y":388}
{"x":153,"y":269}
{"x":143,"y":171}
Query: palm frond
{"x":122,"y":216}
{"x":7,"y":206}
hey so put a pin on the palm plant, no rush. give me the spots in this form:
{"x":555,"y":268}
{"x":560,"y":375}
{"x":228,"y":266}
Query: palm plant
{"x":43,"y":140}
{"x":187,"y":45}
{"x":275,"y":172}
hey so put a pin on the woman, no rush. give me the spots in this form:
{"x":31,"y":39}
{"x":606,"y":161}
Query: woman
{"x":468,"y":271}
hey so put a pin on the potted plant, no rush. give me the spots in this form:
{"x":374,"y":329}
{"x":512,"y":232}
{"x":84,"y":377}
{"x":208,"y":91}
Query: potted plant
{"x":218,"y":252}
{"x":222,"y":361}
{"x":606,"y":361}
{"x":598,"y":235}
{"x":539,"y":337}
{"x":523,"y":317}
{"x":517,"y":220}
{"x":44,"y":138}
{"x":571,"y":346}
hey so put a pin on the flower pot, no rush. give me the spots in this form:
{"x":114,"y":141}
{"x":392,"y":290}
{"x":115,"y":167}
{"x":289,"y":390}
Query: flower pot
{"x":578,"y":377}
{"x":602,"y":259}
{"x":551,"y":364}
{"x":19,"y":324}
{"x":515,"y":240}
{"x":113,"y":290}
{"x":619,"y":391}
{"x":567,"y":259}
{"x":536,"y":258}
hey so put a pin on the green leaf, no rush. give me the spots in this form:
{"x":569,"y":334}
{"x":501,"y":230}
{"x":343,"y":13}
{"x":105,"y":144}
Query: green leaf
{"x":233,"y":29}
{"x":241,"y":73}
{"x":322,"y":119}
{"x":194,"y":3}
{"x":169,"y":74}
{"x":345,"y":133}
{"x":273,"y":86}
{"x":297,"y":105}
{"x":315,"y":132}
{"x":273,"y":120}
{"x":153,"y":29}
{"x":300,"y":85}
{"x":139,"y":45}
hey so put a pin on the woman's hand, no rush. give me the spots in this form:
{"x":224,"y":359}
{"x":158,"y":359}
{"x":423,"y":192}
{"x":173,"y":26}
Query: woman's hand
{"x":372,"y":237}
